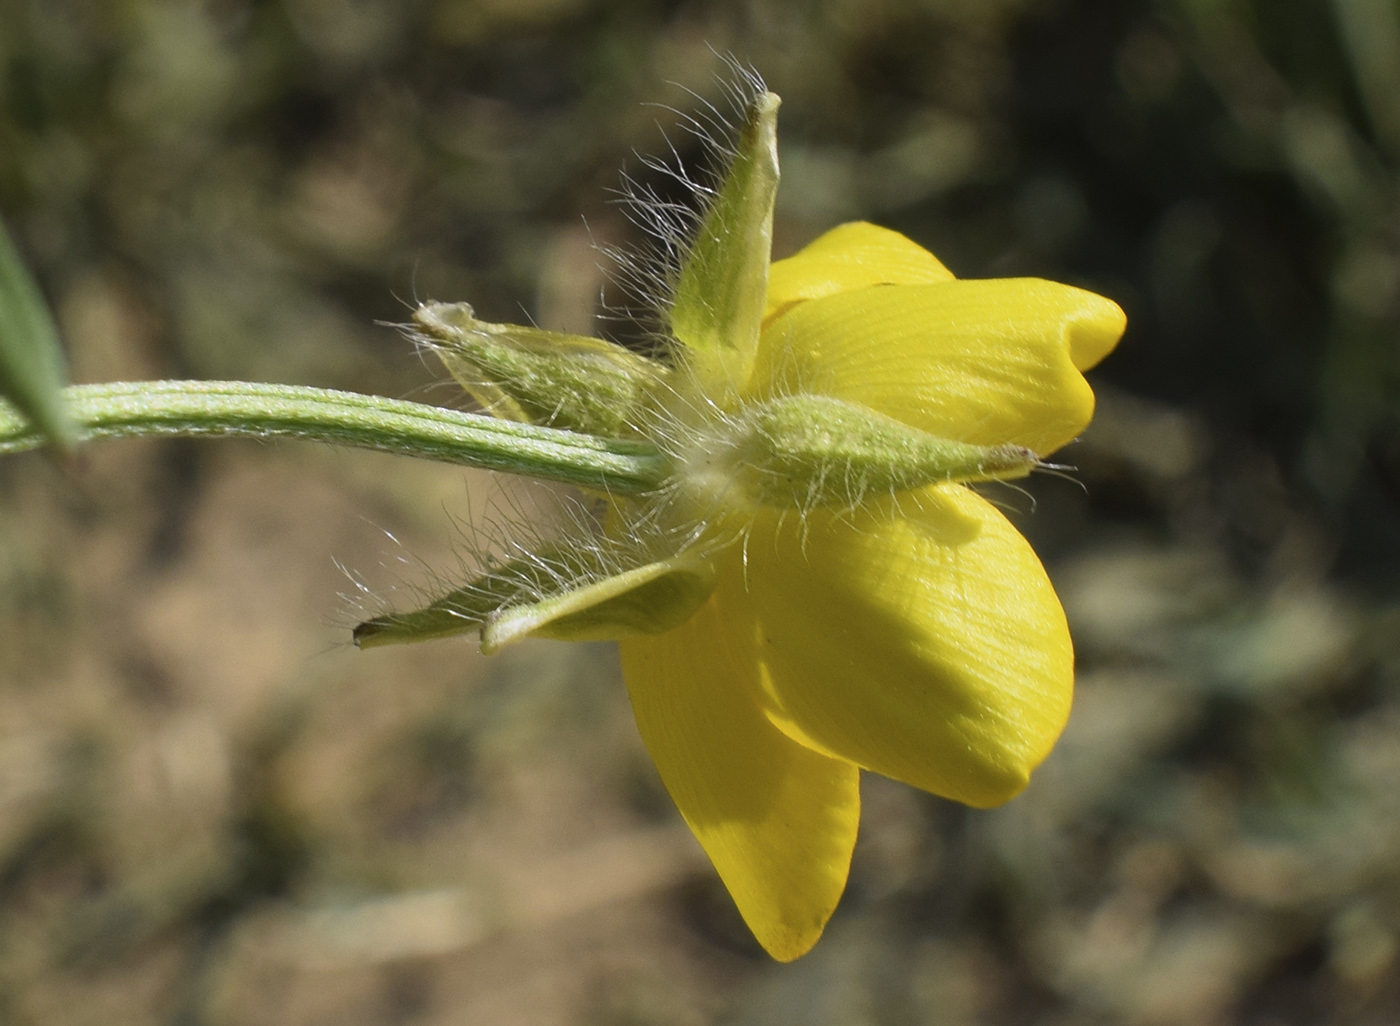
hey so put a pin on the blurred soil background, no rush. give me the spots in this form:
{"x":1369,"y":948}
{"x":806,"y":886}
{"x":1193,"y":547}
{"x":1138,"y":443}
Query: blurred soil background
{"x":214,"y":811}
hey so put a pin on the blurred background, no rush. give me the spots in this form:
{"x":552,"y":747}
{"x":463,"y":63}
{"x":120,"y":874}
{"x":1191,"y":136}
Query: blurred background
{"x":213,"y":810}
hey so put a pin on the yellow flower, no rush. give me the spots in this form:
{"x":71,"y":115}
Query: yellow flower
{"x":918,"y":636}
{"x":814,"y":592}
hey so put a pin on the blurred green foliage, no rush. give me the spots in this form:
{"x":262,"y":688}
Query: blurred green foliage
{"x":32,"y":373}
{"x":201,"y":820}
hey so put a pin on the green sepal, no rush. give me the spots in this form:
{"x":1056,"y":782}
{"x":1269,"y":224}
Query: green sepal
{"x":722,"y":285}
{"x":461,"y":611}
{"x":32,"y":372}
{"x":553,"y":594}
{"x":814,"y":451}
{"x":541,"y":377}
{"x":651,"y":599}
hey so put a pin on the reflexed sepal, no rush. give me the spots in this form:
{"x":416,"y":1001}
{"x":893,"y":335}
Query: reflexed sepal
{"x":559,"y":594}
{"x":812,"y":451}
{"x":722,"y":286}
{"x":540,"y":377}
{"x":650,"y":599}
{"x":466,"y":608}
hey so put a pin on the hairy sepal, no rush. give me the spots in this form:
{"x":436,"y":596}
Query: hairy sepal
{"x":650,"y":599}
{"x":721,"y":289}
{"x":535,"y":376}
{"x":811,"y":451}
{"x":562,"y":593}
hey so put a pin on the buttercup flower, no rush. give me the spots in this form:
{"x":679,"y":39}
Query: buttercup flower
{"x":815,"y":590}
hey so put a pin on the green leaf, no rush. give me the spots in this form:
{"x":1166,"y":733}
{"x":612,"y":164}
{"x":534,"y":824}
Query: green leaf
{"x":32,"y":371}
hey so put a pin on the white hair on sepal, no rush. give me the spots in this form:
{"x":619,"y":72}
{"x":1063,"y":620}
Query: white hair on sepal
{"x":514,"y":523}
{"x":458,"y":394}
{"x":574,"y":543}
{"x":740,"y":85}
{"x":516,"y":556}
{"x":1063,"y":471}
{"x":720,"y":487}
{"x":646,"y":273}
{"x":361,"y":602}
{"x":445,"y":392}
{"x":408,"y":575}
{"x":792,"y":377}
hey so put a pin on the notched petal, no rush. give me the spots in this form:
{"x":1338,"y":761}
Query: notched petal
{"x":986,"y":362}
{"x":1094,"y":328}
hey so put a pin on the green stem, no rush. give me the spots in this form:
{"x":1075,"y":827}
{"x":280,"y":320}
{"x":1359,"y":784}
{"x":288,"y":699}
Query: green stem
{"x":132,"y":409}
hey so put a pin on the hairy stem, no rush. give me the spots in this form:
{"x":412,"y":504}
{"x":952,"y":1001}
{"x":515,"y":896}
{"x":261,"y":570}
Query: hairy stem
{"x":135,"y":409}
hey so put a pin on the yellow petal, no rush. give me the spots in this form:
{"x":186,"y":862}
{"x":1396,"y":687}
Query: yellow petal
{"x":927,"y":646}
{"x":850,"y":256}
{"x":986,"y":362}
{"x":777,"y":820}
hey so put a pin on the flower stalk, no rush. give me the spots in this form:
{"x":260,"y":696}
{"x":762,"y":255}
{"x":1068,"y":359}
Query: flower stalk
{"x":138,"y":409}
